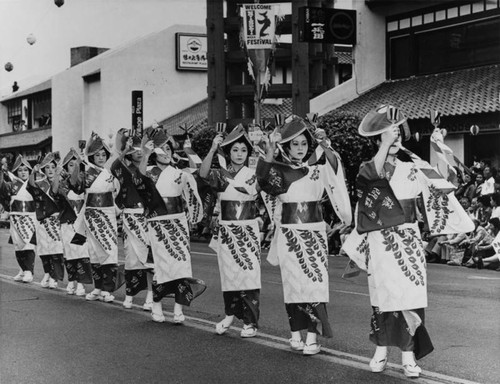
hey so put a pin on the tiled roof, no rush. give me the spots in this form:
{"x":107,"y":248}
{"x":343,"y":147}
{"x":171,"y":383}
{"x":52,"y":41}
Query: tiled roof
{"x":43,"y":86}
{"x":196,"y":115}
{"x":468,"y":91}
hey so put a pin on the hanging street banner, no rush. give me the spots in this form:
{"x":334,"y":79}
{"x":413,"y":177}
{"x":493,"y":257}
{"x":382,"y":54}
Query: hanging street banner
{"x":259,"y":25}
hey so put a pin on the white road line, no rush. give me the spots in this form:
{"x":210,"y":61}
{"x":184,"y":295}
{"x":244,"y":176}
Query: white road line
{"x":271,"y":341}
{"x":482,"y":278}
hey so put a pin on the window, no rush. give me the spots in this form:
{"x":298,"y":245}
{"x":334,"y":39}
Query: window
{"x":14,"y":115}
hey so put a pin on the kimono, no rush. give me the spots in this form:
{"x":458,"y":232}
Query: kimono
{"x":49,"y":246}
{"x":300,"y":244}
{"x":171,"y":201}
{"x":237,"y":242}
{"x":388,"y":245}
{"x":101,"y":225}
{"x":135,"y":237}
{"x":76,"y":253}
{"x":23,"y":221}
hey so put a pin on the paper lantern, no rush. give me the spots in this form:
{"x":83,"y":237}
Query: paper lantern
{"x":474,"y":130}
{"x":59,"y":3}
{"x":31,"y":39}
{"x":444,"y":132}
{"x":9,"y":67}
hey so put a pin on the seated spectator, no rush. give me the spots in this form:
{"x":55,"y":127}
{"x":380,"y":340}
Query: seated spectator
{"x":479,"y":181}
{"x":466,"y":188}
{"x":485,"y":255}
{"x":451,"y":250}
{"x":495,"y":205}
{"x":489,"y":181}
{"x":483,"y":210}
{"x":434,"y":248}
{"x":476,"y":237}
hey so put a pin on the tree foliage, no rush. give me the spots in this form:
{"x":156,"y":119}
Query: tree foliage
{"x":342,"y":129}
{"x":202,"y":141}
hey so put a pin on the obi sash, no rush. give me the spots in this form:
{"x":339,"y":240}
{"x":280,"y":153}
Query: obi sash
{"x":22,"y":206}
{"x":174,"y":204}
{"x":237,"y":210}
{"x":301,"y":212}
{"x":409,"y":209}
{"x":100,"y":200}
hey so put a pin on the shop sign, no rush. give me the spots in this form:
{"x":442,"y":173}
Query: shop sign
{"x":191,"y":52}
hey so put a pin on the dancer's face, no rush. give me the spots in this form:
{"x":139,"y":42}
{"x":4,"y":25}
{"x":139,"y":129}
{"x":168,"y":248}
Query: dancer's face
{"x":50,"y":170}
{"x":100,"y":158}
{"x":165,"y":158}
{"x":71,"y":166}
{"x":238,"y":153}
{"x":23,"y":172}
{"x":298,"y":148}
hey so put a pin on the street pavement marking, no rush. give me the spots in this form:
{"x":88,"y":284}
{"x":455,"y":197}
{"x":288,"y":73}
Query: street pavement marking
{"x":482,"y":278}
{"x":271,"y":341}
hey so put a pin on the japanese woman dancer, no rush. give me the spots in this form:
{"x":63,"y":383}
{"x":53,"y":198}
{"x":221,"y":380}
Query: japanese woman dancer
{"x":387,"y":241}
{"x":237,"y":241}
{"x":300,"y":244}
{"x":49,"y":247}
{"x":76,"y":253}
{"x":101,"y":188}
{"x":22,"y":216}
{"x":138,"y":269}
{"x":172,"y":201}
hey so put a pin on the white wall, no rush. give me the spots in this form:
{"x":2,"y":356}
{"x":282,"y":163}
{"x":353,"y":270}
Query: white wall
{"x":147,"y":64}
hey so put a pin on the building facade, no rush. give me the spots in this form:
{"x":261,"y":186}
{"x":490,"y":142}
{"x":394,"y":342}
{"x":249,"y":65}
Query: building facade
{"x":96,"y":94}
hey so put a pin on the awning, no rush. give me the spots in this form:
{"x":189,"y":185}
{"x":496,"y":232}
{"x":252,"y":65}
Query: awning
{"x":464,"y":92}
{"x":25,"y":139}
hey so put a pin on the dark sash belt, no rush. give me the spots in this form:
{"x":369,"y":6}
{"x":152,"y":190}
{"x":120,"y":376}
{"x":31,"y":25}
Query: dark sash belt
{"x":301,"y":212}
{"x":237,"y":210}
{"x":100,"y":200}
{"x":174,"y":204}
{"x":410,"y":210}
{"x":22,"y":206}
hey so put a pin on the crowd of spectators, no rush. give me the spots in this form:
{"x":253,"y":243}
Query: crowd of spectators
{"x":479,"y":193}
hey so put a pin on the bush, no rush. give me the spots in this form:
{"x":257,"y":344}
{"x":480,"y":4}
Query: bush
{"x":202,"y":141}
{"x":342,"y":129}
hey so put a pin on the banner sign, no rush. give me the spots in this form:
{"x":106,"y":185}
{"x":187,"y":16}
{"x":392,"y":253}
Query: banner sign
{"x":327,"y":25}
{"x":137,"y":113}
{"x":191,"y":52}
{"x":259,"y":25}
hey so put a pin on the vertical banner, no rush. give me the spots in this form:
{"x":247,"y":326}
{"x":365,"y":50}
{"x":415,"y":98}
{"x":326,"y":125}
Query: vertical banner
{"x":259,"y":25}
{"x":137,"y":113}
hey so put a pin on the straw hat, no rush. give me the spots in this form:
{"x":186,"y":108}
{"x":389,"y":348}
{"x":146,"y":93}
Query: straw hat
{"x":379,"y":120}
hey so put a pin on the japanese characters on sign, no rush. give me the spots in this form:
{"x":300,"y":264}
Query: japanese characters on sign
{"x":259,"y":25}
{"x":327,"y":25}
{"x":191,"y":52}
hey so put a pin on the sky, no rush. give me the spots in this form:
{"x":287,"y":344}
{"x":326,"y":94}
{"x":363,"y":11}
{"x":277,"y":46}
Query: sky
{"x":98,"y":23}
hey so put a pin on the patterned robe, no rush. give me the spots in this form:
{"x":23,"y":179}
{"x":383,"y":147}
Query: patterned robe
{"x":394,"y":256}
{"x":237,"y":242}
{"x":301,"y":247}
{"x":22,"y":215}
{"x":70,"y":229}
{"x":100,"y":216}
{"x":135,"y":236}
{"x":169,"y":232}
{"x":48,"y":232}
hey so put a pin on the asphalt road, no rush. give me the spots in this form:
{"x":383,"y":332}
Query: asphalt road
{"x":48,"y":336}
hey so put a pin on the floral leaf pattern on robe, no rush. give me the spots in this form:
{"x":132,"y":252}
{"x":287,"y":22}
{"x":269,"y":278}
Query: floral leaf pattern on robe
{"x":398,"y":241}
{"x":174,"y":237}
{"x":24,"y":225}
{"x":135,"y":222}
{"x":438,"y":202}
{"x":51,"y":226}
{"x":240,"y":239}
{"x":101,"y":228}
{"x":310,"y":249}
